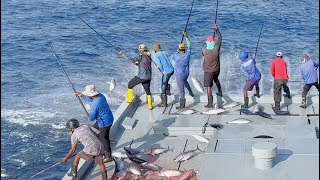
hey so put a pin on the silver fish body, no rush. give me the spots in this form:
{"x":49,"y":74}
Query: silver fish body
{"x":232,"y":104}
{"x":150,"y":166}
{"x":157,"y":151}
{"x":214,"y":111}
{"x":239,"y":121}
{"x":131,"y":151}
{"x":186,"y":155}
{"x":189,"y":111}
{"x":134,"y":169}
{"x":119,"y":155}
{"x":170,"y":173}
{"x":112,"y":85}
{"x":197,"y":84}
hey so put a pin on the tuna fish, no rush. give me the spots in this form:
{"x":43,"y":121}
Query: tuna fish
{"x":132,"y":151}
{"x":200,"y":138}
{"x":112,"y":85}
{"x":214,"y":111}
{"x":217,"y":126}
{"x":170,"y":173}
{"x":134,"y":169}
{"x":119,"y":155}
{"x":189,"y":111}
{"x":239,"y":121}
{"x":197,"y":84}
{"x":136,"y":159}
{"x":263,"y":114}
{"x":156,"y":151}
{"x":187,"y":175}
{"x":119,"y":164}
{"x":245,"y":111}
{"x":186,"y":155}
{"x":150,"y":166}
{"x":230,"y":105}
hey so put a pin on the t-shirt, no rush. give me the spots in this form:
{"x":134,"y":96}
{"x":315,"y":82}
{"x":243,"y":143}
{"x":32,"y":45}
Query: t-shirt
{"x":87,"y":136}
{"x":211,"y":61}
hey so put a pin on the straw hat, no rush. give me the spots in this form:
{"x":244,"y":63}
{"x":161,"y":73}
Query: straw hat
{"x":90,"y":90}
{"x":182,"y":46}
{"x":156,"y":47}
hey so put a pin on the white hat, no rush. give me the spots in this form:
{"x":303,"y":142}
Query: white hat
{"x":90,"y":90}
{"x":279,"y":53}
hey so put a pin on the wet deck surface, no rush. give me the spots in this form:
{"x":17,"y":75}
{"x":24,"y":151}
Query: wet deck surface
{"x":228,"y":153}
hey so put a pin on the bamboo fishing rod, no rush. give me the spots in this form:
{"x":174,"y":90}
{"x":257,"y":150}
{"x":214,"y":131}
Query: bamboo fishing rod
{"x":56,"y":57}
{"x":255,"y":54}
{"x":116,"y":48}
{"x":215,"y":19}
{"x":185,"y":28}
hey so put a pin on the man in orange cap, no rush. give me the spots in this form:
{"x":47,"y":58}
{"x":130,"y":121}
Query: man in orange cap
{"x":211,"y":65}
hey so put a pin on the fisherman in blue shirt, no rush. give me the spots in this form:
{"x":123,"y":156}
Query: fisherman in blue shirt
{"x":181,"y":61}
{"x":99,"y":111}
{"x":161,"y":59}
{"x":248,"y":66}
{"x":308,"y":70}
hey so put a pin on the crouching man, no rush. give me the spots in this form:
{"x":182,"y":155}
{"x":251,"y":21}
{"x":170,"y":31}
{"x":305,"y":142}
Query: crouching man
{"x":93,"y":148}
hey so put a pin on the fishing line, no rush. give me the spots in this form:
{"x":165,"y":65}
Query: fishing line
{"x":255,"y":54}
{"x":48,"y":168}
{"x":56,"y":57}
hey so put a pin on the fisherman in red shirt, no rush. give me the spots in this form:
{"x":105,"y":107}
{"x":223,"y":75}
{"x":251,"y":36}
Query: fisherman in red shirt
{"x":279,"y":73}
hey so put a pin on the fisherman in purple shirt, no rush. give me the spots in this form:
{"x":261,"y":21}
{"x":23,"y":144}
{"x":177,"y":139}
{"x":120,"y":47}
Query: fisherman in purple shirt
{"x":101,"y":112}
{"x":248,"y":66}
{"x":308,"y":70}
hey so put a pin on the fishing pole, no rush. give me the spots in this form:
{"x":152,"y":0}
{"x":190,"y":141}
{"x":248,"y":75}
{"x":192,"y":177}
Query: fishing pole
{"x":54,"y":54}
{"x":255,"y":54}
{"x":215,"y":19}
{"x":116,"y":48}
{"x":185,"y":28}
{"x":48,"y":168}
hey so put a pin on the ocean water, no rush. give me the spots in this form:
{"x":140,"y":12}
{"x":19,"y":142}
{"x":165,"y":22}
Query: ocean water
{"x":37,"y":99}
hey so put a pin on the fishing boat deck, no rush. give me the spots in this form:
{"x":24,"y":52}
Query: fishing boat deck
{"x":228,"y":153}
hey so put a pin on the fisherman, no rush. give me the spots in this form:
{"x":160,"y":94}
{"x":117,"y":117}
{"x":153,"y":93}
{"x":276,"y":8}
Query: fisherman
{"x":211,"y":65}
{"x":93,"y":148}
{"x":248,"y":66}
{"x":279,"y":72}
{"x":161,"y":59}
{"x":308,"y":70}
{"x":99,"y":111}
{"x":181,"y":61}
{"x":143,"y":61}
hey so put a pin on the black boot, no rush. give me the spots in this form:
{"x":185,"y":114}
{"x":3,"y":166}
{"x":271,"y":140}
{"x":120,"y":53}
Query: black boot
{"x":210,"y":102}
{"x":257,"y":92}
{"x":277,"y":105}
{"x":187,"y":85}
{"x":104,"y":176}
{"x":168,"y":90}
{"x":107,"y":157}
{"x":182,"y":103}
{"x":73,"y":172}
{"x":287,"y":95}
{"x":246,"y":102}
{"x":304,"y":102}
{"x":219,"y":93}
{"x":163,"y":100}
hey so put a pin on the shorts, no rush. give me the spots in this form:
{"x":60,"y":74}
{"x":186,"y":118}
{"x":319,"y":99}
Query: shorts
{"x":250,"y":83}
{"x":86,"y":156}
{"x":209,"y":77}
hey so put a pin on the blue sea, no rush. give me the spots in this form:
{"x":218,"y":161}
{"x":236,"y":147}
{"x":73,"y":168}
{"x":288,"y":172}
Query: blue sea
{"x":37,"y":98}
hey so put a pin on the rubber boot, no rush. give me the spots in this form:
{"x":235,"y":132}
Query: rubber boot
{"x":107,"y":157}
{"x":210,"y":102}
{"x":73,"y":172}
{"x":304,"y":102}
{"x":129,"y":96}
{"x":187,"y":85}
{"x":219,"y":93}
{"x":149,"y":100}
{"x":257,"y":92}
{"x":245,"y":102}
{"x":168,"y":90}
{"x":182,"y":103}
{"x":277,"y":105}
{"x":287,"y":95}
{"x":164,"y":100}
{"x":104,"y":176}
